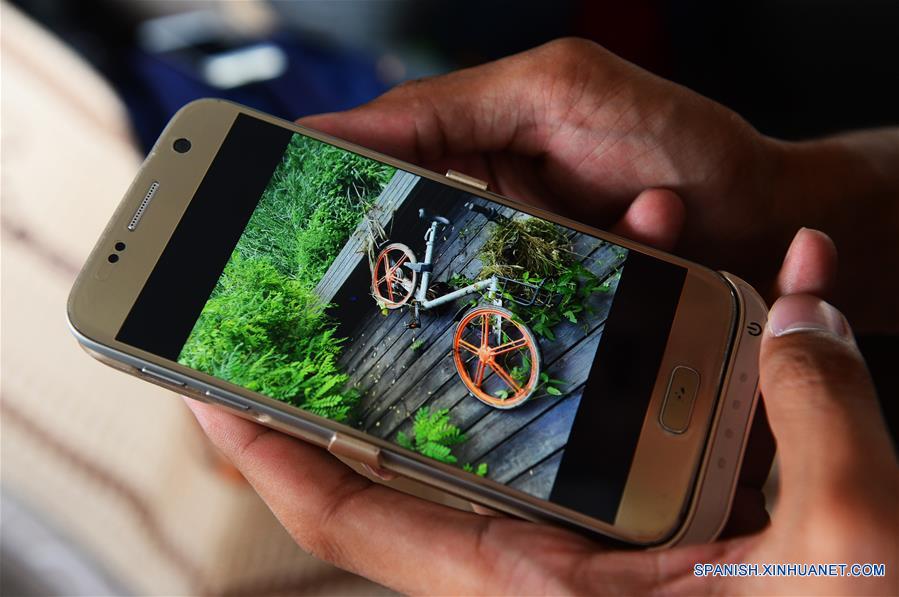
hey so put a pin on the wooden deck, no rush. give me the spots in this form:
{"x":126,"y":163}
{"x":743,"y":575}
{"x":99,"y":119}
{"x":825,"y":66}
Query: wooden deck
{"x":400,"y":370}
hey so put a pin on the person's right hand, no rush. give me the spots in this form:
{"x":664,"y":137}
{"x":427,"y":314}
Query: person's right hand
{"x":572,"y":127}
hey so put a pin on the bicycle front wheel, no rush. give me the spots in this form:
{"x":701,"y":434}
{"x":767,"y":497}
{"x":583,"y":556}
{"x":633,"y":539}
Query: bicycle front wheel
{"x":496,"y":357}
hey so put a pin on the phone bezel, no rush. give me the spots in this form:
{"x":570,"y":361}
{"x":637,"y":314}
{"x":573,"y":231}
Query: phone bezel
{"x":104,"y":294}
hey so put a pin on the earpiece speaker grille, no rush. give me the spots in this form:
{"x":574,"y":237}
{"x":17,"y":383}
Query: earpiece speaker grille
{"x":135,"y":220}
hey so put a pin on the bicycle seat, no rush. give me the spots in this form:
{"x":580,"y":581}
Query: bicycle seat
{"x":426,"y":215}
{"x":419,"y":267}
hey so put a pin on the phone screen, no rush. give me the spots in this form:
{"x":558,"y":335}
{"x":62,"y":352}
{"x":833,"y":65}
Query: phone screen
{"x":462,"y":329}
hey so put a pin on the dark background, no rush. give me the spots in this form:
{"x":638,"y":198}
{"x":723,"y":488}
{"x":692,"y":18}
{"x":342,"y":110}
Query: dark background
{"x":795,"y":69}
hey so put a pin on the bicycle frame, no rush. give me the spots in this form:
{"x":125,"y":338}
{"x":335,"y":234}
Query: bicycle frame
{"x":490,"y":284}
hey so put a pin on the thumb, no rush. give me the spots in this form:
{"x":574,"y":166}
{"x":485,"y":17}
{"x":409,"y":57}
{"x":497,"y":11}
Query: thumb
{"x":821,"y":403}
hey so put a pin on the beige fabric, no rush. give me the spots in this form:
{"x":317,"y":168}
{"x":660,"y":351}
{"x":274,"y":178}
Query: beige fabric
{"x":117,"y":464}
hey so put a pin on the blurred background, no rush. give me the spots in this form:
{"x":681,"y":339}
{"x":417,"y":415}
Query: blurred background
{"x":108,"y":486}
{"x":793,"y":68}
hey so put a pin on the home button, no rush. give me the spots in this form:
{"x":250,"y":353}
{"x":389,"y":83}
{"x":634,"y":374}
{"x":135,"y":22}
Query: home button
{"x":682,"y":388}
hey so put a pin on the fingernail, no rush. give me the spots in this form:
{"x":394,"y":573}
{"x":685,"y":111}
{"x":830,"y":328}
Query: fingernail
{"x":379,"y":473}
{"x":806,"y":313}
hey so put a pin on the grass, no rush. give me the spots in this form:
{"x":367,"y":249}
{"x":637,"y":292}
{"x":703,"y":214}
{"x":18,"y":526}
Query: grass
{"x":263,"y":327}
{"x":314,"y":201}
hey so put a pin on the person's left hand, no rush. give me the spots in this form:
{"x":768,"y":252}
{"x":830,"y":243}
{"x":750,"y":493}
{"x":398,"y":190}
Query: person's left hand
{"x":416,"y":546}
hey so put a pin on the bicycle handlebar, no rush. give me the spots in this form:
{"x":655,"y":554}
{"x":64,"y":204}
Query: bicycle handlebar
{"x":488,"y":212}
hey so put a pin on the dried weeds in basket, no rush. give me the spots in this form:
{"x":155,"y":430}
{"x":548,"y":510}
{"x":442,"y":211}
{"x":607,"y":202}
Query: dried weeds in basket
{"x":522,"y":245}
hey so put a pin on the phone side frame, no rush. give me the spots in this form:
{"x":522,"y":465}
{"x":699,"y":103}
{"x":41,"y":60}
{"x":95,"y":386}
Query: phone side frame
{"x":430,"y":473}
{"x":722,"y":463}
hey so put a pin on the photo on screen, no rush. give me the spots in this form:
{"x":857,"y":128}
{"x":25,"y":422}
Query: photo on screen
{"x":451,"y":325}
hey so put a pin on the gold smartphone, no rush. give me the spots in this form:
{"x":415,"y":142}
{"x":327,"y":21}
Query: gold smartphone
{"x":421,"y":324}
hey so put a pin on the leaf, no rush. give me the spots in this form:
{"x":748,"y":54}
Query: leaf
{"x":553,"y":391}
{"x":403,"y":440}
{"x":482,"y":470}
{"x":570,"y":315}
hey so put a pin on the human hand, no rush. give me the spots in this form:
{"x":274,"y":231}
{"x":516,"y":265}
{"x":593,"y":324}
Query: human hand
{"x":572,"y":127}
{"x":837,"y":502}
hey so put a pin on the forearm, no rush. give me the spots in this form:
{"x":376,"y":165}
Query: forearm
{"x":848,"y":186}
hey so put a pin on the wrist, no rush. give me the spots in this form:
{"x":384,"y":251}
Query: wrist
{"x":822,"y":180}
{"x":848,"y":187}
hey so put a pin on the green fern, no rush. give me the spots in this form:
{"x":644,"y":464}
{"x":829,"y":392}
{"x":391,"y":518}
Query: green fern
{"x":481,"y":471}
{"x":433,"y":435}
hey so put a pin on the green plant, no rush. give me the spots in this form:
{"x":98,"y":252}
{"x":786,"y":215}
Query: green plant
{"x":263,"y":328}
{"x":564,"y":296}
{"x":271,"y":335}
{"x":550,"y":385}
{"x":481,"y":471}
{"x":314,"y":201}
{"x":416,"y":345}
{"x":433,"y":435}
{"x":537,"y":252}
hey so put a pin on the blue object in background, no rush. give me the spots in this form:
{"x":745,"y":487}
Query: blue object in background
{"x":316,"y":79}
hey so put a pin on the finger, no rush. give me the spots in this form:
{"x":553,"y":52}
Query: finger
{"x":810,"y":266}
{"x":522,"y":105}
{"x":484,"y":511}
{"x":379,"y":473}
{"x":747,"y":515}
{"x":821,"y":404}
{"x":426,"y":120}
{"x":655,"y":218}
{"x":493,"y":107}
{"x":404,"y":542}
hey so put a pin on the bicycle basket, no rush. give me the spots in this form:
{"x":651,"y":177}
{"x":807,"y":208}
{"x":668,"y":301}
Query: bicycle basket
{"x":522,"y":293}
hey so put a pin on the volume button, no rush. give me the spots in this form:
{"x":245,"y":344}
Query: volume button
{"x":227,"y":401}
{"x":162,"y":377}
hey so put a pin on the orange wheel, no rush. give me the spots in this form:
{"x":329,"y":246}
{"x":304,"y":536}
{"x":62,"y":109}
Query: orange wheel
{"x":496,"y":357}
{"x":391,"y":283}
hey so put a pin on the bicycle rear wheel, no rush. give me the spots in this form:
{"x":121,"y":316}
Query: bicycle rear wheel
{"x":393,"y":285}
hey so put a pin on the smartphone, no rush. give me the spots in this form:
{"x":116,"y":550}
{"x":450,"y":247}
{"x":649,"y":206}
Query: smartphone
{"x":421,"y":324}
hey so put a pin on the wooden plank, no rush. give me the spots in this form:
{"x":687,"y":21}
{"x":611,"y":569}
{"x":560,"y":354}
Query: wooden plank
{"x":391,"y":198}
{"x":567,"y":336}
{"x":539,"y":479}
{"x":545,"y":436}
